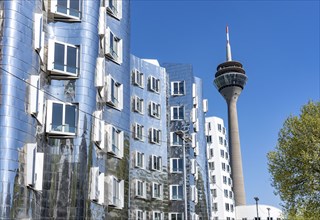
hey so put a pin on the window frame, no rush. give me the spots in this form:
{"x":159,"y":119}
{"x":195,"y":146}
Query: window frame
{"x":178,"y":196}
{"x":115,"y":144}
{"x":139,"y":156}
{"x":154,"y":84}
{"x":155,"y":217}
{"x":113,"y":46}
{"x":49,"y":118}
{"x":175,"y":139}
{"x":180,"y":110}
{"x":156,"y":162}
{"x":160,"y":190}
{"x":96,"y":186}
{"x":138,"y":131}
{"x":179,"y":93}
{"x":34,"y":166}
{"x":137,"y":78}
{"x":115,"y":12}
{"x":56,"y":73}
{"x":176,"y":215}
{"x":115,"y":192}
{"x":138,"y":105}
{"x":140,"y":189}
{"x":155,"y":110}
{"x":58,"y":15}
{"x":114,"y":93}
{"x":155,"y":136}
{"x":179,"y":169}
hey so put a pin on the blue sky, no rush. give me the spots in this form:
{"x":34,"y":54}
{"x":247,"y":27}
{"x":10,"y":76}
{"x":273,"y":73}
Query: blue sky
{"x":276,"y":41}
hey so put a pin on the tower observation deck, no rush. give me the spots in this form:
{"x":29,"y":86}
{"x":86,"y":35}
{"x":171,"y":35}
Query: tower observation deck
{"x":230,"y":80}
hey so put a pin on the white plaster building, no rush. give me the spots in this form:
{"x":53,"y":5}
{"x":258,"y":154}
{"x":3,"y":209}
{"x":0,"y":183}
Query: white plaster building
{"x":219,"y":170}
{"x":265,"y":212}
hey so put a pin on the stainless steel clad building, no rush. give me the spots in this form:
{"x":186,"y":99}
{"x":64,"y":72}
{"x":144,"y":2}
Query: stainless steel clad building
{"x":64,"y":126}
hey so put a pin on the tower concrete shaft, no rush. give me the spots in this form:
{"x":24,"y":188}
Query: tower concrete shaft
{"x":235,"y":150}
{"x":230,"y":80}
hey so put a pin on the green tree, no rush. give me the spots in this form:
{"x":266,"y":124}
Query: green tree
{"x":295,"y":164}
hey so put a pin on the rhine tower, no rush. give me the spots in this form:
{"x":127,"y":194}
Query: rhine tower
{"x":230,"y":80}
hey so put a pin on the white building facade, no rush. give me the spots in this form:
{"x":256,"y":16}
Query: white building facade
{"x":219,"y":170}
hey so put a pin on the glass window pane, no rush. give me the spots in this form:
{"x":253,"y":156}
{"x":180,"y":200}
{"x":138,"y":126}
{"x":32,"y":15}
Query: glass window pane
{"x":180,"y":165}
{"x":59,"y":56}
{"x":62,"y":6}
{"x":57,"y":110}
{"x":74,"y":8}
{"x":72,"y":59}
{"x":70,"y":119}
{"x":174,"y":165}
{"x":181,"y":87}
{"x":179,"y":216}
{"x":180,"y":192}
{"x":175,"y":88}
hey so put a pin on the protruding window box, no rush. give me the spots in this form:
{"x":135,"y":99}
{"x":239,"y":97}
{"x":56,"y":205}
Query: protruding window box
{"x":115,"y":141}
{"x":66,"y":10}
{"x":34,"y":167}
{"x":63,"y":60}
{"x":97,"y":186}
{"x":115,"y":192}
{"x":61,"y":118}
{"x":114,"y":93}
{"x":98,"y":129}
{"x":114,"y":8}
{"x":35,"y":98}
{"x":113,"y":46}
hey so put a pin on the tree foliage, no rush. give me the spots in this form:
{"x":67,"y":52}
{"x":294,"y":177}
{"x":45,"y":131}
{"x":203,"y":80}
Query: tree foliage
{"x":295,"y":164}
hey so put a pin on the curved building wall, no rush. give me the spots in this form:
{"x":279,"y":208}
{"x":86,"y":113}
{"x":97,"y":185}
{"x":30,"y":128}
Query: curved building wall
{"x":69,"y":152}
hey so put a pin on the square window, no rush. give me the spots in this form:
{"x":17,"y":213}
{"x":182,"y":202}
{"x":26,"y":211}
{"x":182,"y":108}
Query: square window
{"x":176,"y":192}
{"x":154,"y":110}
{"x":114,"y":8}
{"x":115,"y":141}
{"x":137,"y":78}
{"x":154,"y":84}
{"x":156,"y":190}
{"x":177,"y":88}
{"x":175,"y":216}
{"x":211,"y":152}
{"x":156,"y":162}
{"x":63,"y":59}
{"x":113,"y":46}
{"x":115,"y":192}
{"x":213,"y":179}
{"x":155,"y":136}
{"x":61,"y":118}
{"x":141,"y":189}
{"x":177,"y":113}
{"x":138,"y":132}
{"x":175,"y":139}
{"x":66,"y":9}
{"x":219,"y":127}
{"x":114,"y":93}
{"x":156,"y":215}
{"x":139,"y":159}
{"x":176,"y":165}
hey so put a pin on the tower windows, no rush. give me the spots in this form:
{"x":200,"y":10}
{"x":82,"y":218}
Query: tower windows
{"x":176,"y":165}
{"x":176,"y":192}
{"x":114,"y":8}
{"x":66,"y":9}
{"x":177,"y":113}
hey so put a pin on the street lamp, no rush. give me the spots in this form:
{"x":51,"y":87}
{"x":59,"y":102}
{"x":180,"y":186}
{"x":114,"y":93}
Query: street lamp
{"x":268,"y":213}
{"x":257,"y":199}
